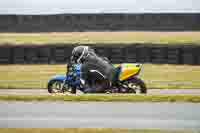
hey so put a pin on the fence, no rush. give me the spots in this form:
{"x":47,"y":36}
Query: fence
{"x":60,"y":53}
{"x":98,"y":22}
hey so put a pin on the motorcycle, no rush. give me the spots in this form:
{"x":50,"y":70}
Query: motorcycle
{"x":125,"y":80}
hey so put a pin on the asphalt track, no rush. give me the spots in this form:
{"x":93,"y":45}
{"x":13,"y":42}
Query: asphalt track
{"x":169,"y":116}
{"x":150,"y":91}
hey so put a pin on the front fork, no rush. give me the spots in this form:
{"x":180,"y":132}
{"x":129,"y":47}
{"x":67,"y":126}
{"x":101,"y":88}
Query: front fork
{"x":63,"y":86}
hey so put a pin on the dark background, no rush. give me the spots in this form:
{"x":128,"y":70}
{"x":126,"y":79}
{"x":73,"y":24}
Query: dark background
{"x":60,"y":53}
{"x":98,"y":22}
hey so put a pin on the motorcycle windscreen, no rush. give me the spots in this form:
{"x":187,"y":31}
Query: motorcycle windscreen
{"x":128,"y":70}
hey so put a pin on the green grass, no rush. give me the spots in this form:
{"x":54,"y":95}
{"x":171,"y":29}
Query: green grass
{"x":84,"y":130}
{"x":155,"y":76}
{"x":102,"y":98}
{"x":101,"y":37}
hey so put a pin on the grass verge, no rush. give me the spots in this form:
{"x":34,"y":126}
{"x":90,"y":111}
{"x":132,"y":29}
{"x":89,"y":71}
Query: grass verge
{"x":101,"y":37}
{"x":103,"y":98}
{"x":84,"y":130}
{"x":155,"y":76}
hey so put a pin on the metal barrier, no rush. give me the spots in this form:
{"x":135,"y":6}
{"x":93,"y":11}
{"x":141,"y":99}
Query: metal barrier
{"x":56,"y":54}
{"x":99,"y":22}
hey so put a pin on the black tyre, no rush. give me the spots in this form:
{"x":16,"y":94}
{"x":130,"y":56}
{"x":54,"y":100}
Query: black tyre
{"x":137,"y":85}
{"x":55,"y":86}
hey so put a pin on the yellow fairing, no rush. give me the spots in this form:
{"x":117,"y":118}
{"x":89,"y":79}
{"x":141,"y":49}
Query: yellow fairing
{"x":128,"y":70}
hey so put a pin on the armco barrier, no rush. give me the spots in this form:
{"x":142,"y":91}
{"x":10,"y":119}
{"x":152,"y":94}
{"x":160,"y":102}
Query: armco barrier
{"x":189,"y":55}
{"x":99,"y":22}
{"x":17,"y":55}
{"x":173,"y":55}
{"x":159,"y":54}
{"x":130,"y":53}
{"x":116,"y":53}
{"x":5,"y":55}
{"x":198,"y":56}
{"x":143,"y":53}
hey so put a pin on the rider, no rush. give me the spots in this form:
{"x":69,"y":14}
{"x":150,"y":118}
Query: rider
{"x":93,"y":67}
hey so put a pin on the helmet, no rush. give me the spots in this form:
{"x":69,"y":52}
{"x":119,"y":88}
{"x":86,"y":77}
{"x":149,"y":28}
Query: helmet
{"x":79,"y":53}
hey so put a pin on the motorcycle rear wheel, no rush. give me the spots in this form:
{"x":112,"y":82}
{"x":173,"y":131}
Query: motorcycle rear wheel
{"x":137,"y":85}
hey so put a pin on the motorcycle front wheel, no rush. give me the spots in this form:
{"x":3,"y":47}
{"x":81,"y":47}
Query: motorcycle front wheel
{"x":136,"y":85}
{"x":55,"y":86}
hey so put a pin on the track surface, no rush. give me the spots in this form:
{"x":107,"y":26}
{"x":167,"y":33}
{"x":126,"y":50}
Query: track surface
{"x":150,"y":91}
{"x":183,"y":116}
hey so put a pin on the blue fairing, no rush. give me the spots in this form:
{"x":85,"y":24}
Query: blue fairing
{"x":76,"y":72}
{"x":58,"y":77}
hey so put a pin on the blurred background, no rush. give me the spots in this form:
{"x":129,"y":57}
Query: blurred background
{"x":37,"y":37}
